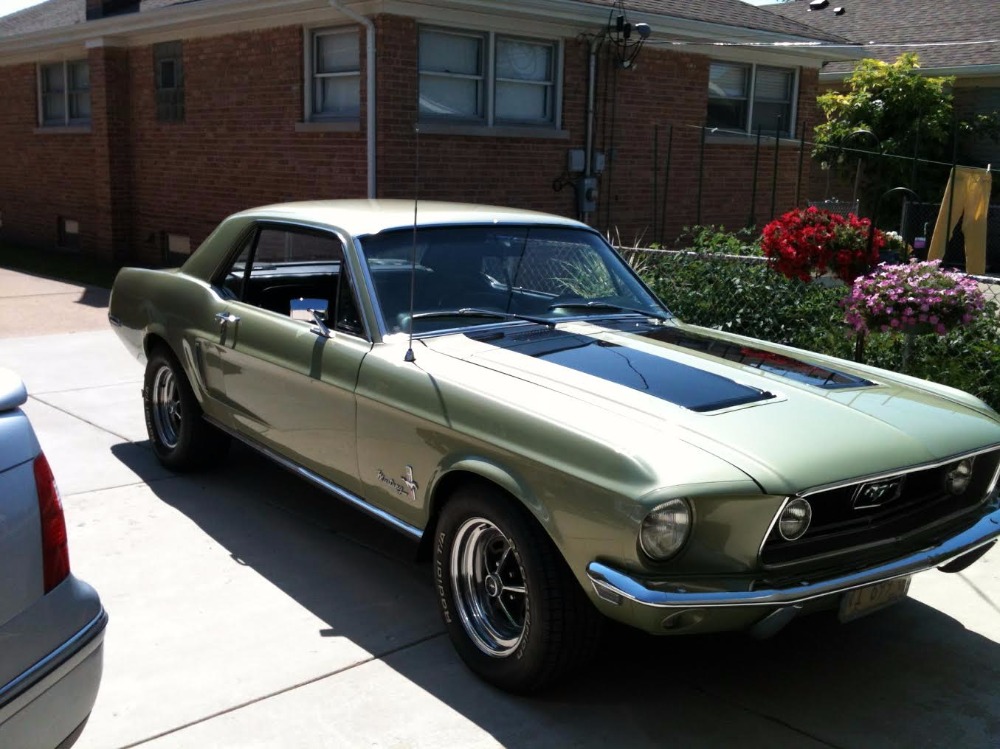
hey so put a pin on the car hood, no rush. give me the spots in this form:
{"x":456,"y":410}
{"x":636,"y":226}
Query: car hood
{"x":789,"y":419}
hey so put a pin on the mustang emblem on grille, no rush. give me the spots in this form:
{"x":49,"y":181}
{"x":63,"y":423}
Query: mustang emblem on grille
{"x":877,"y":493}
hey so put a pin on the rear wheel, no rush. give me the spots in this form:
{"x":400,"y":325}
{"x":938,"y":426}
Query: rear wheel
{"x":181,"y":438}
{"x":514,"y":613}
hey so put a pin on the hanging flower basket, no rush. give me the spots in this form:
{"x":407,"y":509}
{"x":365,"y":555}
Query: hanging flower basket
{"x":807,"y":243}
{"x":895,"y":250}
{"x":917,"y":297}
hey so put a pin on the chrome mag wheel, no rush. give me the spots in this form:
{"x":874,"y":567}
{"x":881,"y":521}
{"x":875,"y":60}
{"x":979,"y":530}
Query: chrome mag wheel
{"x":166,"y":407}
{"x":488,"y":583}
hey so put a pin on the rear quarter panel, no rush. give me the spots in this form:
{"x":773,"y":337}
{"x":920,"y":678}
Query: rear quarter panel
{"x":169,"y":306}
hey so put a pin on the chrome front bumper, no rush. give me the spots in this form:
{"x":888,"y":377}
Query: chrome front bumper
{"x":617,"y":587}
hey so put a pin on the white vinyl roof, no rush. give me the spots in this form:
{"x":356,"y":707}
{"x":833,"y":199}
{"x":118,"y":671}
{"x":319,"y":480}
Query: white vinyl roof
{"x":359,"y":217}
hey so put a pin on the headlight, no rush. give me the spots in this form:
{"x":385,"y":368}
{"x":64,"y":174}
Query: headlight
{"x":665,"y":529}
{"x":795,"y":519}
{"x":957,"y":479}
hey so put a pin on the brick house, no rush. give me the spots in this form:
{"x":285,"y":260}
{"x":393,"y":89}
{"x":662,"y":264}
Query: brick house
{"x":131,"y":128}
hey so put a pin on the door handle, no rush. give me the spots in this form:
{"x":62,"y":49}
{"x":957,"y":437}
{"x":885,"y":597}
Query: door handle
{"x":225,"y":318}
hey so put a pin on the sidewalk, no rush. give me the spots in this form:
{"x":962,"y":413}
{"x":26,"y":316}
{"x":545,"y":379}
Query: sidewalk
{"x":31,"y":305}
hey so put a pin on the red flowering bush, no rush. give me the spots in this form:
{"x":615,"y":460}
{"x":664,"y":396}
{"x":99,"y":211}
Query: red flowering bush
{"x":808,"y":242}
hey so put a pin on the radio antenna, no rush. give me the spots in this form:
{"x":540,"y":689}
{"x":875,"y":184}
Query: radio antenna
{"x":410,"y":357}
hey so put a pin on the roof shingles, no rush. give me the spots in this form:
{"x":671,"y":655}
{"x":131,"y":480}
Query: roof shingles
{"x":55,"y":14}
{"x":922,"y":26}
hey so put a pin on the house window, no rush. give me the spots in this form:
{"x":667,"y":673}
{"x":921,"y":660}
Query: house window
{"x":175,"y":246}
{"x":748,"y":97}
{"x":334,"y":73}
{"x":67,"y":233}
{"x":168,"y":71}
{"x":488,"y":78}
{"x":64,"y":93}
{"x":525,"y":81}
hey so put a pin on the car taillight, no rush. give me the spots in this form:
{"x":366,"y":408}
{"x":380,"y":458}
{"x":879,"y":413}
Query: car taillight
{"x":55,"y":549}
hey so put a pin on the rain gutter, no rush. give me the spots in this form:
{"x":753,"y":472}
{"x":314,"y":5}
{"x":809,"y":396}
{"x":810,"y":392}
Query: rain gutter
{"x":370,"y":118}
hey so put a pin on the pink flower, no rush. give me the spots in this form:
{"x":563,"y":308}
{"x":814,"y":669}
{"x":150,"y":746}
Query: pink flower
{"x":898,"y":297}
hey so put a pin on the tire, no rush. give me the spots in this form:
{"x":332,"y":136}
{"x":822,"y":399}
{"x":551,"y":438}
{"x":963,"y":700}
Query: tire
{"x":182,"y":439}
{"x":525,"y":624}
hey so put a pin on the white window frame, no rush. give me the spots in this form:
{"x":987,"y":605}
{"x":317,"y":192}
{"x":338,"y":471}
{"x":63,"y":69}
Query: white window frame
{"x":488,"y":80}
{"x":311,"y":75}
{"x":751,"y":94}
{"x":67,"y":120}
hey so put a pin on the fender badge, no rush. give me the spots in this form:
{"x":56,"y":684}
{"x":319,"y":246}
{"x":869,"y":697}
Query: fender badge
{"x":407,"y":487}
{"x":877,"y":493}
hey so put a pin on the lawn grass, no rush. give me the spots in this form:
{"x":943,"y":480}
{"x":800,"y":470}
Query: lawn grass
{"x":61,"y":265}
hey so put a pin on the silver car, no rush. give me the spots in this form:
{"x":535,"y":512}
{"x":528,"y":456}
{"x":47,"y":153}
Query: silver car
{"x":51,"y":624}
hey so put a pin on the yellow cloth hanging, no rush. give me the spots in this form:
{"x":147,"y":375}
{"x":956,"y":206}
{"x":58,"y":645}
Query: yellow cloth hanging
{"x":970,"y":202}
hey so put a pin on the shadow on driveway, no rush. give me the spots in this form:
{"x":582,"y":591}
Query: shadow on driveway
{"x":908,"y":676}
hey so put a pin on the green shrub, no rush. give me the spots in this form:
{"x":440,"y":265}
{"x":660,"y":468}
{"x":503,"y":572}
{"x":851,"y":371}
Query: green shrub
{"x":965,"y":359}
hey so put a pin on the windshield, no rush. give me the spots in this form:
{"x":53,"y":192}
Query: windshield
{"x":516,"y":272}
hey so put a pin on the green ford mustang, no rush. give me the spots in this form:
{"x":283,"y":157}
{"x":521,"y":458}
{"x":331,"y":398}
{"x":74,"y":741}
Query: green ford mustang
{"x":501,"y":386}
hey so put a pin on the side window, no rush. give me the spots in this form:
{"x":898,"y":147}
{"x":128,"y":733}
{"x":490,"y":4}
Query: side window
{"x":235,"y":274}
{"x":284,"y":246}
{"x":295,"y":271}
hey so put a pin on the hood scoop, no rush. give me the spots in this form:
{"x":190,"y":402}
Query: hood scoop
{"x":658,"y":376}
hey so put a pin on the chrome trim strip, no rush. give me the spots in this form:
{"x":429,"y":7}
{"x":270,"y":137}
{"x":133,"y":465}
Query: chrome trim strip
{"x":774,"y":522}
{"x":606,"y":579}
{"x":63,"y":653}
{"x":993,"y":484}
{"x":322,"y":483}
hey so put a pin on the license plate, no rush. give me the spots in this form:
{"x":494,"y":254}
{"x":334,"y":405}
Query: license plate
{"x":861,"y":601}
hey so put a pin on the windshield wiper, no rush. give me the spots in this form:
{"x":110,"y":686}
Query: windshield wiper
{"x":594,"y":304}
{"x":476,"y":312}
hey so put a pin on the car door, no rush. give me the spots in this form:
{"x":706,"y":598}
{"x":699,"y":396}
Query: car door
{"x":288,"y":376}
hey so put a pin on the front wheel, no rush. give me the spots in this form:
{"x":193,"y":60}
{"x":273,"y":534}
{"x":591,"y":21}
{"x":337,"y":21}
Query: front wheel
{"x":514,"y":613}
{"x":181,"y":438}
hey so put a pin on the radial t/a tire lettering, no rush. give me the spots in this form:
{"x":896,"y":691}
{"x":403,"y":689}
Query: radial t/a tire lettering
{"x":513,"y":610}
{"x":181,"y":438}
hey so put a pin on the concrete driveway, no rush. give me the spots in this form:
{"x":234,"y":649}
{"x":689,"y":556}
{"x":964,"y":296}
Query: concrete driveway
{"x":249,"y":610}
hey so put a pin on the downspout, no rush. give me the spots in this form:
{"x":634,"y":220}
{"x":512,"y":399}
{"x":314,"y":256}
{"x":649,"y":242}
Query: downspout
{"x":369,"y":87}
{"x":588,"y":166}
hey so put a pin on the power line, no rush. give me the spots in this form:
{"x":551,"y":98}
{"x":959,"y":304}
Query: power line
{"x":816,"y":45}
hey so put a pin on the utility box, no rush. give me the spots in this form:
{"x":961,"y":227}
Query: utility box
{"x":576,"y":160}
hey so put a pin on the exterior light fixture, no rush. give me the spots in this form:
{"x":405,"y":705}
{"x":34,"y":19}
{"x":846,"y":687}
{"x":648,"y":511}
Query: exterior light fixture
{"x":626,"y":37}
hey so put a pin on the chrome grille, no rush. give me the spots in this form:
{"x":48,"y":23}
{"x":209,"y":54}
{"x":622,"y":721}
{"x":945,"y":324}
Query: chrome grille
{"x":915,"y":509}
